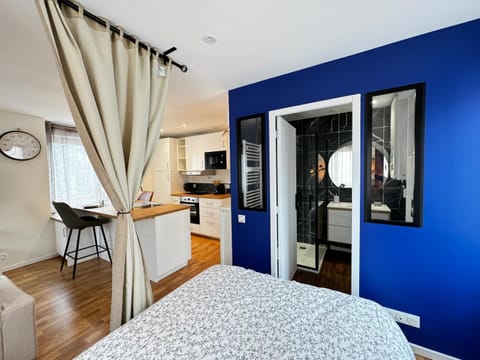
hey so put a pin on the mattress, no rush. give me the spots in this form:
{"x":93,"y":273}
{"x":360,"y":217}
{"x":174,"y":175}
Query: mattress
{"x":228,"y":312}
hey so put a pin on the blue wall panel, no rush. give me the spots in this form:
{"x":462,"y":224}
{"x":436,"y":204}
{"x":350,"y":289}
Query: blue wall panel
{"x":432,"y":271}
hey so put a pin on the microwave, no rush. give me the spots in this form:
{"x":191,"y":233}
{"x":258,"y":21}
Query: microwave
{"x":215,"y":160}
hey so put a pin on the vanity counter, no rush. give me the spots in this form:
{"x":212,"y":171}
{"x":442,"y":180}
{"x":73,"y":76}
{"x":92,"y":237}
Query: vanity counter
{"x":340,"y":205}
{"x":380,"y":208}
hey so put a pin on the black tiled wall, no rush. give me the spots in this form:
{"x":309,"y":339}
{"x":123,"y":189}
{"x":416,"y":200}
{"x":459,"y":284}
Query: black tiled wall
{"x":318,"y":136}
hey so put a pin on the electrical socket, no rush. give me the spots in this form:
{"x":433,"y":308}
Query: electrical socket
{"x":405,"y":318}
{"x":3,"y":256}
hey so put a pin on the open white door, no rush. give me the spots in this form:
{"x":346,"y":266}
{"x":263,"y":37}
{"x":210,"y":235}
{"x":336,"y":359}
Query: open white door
{"x":287,"y":188}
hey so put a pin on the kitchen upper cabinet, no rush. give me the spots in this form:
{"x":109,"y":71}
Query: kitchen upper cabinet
{"x":195,"y":152}
{"x":164,"y":155}
{"x":214,"y":141}
{"x":162,"y":176}
{"x":196,"y":146}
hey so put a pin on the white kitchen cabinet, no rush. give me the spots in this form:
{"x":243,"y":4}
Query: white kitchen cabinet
{"x":165,"y":242}
{"x":195,"y":152}
{"x":214,"y":141}
{"x":162,"y":157}
{"x":163,"y":171}
{"x":196,"y":146}
{"x":210,"y":216}
{"x":226,"y":145}
{"x":218,"y":141}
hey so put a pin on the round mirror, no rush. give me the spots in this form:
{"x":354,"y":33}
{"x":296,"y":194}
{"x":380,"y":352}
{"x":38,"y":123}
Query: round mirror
{"x":340,"y":166}
{"x":321,"y":168}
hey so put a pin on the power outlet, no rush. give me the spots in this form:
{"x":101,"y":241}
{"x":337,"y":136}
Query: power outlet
{"x":405,"y":318}
{"x":3,"y":256}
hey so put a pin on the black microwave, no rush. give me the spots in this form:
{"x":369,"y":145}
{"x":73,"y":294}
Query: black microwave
{"x":215,"y":160}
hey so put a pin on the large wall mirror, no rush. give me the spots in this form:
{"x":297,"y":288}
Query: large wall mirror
{"x":394,"y":155}
{"x":251,"y":160}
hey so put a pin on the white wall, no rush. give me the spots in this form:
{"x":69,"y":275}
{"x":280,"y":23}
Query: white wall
{"x":26,"y":232}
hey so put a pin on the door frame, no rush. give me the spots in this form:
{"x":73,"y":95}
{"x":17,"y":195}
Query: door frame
{"x":355,"y":102}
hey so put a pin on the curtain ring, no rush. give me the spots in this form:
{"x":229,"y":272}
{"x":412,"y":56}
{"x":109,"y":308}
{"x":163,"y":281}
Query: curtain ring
{"x":121,"y":31}
{"x":80,"y":10}
{"x":107,"y":23}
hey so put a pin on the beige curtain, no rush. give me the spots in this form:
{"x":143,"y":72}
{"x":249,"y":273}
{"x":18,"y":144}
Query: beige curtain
{"x":117,"y":102}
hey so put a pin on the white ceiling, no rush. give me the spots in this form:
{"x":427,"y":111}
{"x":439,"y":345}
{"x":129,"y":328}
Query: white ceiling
{"x":256,"y":40}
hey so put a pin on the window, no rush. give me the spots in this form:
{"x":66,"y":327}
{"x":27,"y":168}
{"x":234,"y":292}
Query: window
{"x":72,"y":178}
{"x":394,"y":155}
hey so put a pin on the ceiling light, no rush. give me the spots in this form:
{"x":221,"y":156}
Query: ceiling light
{"x":184,"y":125}
{"x":162,"y":130}
{"x":209,"y":39}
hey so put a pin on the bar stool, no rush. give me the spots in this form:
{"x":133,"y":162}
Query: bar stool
{"x":74,"y":221}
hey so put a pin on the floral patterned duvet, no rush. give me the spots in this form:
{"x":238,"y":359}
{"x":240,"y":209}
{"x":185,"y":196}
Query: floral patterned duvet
{"x":228,"y":312}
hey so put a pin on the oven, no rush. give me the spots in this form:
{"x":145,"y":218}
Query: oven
{"x":194,"y":208}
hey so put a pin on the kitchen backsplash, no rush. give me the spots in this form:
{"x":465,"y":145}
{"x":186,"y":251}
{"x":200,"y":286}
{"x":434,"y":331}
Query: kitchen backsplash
{"x":221,"y":175}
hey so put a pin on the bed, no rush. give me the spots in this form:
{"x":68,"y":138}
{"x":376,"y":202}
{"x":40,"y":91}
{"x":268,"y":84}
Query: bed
{"x":229,"y":312}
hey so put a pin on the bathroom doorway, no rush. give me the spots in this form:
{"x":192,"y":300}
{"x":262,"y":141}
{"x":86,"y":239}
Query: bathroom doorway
{"x":320,"y":140}
{"x":313,"y":196}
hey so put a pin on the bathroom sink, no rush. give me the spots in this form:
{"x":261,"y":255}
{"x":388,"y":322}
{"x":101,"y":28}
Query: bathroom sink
{"x":339,"y":205}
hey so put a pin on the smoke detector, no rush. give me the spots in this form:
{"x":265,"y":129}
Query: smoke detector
{"x":209,"y":39}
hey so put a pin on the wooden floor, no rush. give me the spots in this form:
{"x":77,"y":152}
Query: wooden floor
{"x":335,"y":272}
{"x":71,"y":314}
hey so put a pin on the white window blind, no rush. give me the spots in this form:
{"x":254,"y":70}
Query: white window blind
{"x":72,"y":178}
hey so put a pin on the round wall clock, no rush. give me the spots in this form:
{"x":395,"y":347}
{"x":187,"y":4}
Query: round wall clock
{"x":19,"y":145}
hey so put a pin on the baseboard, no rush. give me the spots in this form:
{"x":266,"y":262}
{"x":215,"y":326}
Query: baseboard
{"x":431,"y":354}
{"x":29,"y":262}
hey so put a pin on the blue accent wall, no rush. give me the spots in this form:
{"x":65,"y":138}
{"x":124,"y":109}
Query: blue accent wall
{"x":432,"y":271}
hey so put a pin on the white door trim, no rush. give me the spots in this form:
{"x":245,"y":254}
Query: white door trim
{"x":354,"y":100}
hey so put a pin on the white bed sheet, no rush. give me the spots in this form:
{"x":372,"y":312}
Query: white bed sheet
{"x":229,"y":312}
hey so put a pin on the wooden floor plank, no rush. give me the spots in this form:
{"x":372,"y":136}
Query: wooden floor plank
{"x":334,"y":274}
{"x":71,"y":315}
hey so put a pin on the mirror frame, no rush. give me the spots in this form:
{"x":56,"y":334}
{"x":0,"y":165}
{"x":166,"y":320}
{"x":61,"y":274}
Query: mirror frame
{"x":261,"y":118}
{"x":419,"y":143}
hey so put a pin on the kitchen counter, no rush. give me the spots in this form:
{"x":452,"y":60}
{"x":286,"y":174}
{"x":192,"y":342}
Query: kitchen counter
{"x":203,"y":196}
{"x":137,"y":213}
{"x":163,"y":232}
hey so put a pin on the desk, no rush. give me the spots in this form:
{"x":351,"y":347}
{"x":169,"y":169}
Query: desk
{"x":163,"y":231}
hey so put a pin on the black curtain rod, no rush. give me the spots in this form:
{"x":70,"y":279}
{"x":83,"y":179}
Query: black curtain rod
{"x":129,"y":37}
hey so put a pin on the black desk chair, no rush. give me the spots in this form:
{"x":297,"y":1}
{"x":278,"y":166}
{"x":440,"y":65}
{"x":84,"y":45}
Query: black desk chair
{"x":72,"y":220}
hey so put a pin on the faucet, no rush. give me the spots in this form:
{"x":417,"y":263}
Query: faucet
{"x":342,"y":186}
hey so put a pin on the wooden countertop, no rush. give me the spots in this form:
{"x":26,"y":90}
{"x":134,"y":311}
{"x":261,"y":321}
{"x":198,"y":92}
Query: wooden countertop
{"x":137,"y":213}
{"x":203,"y":196}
